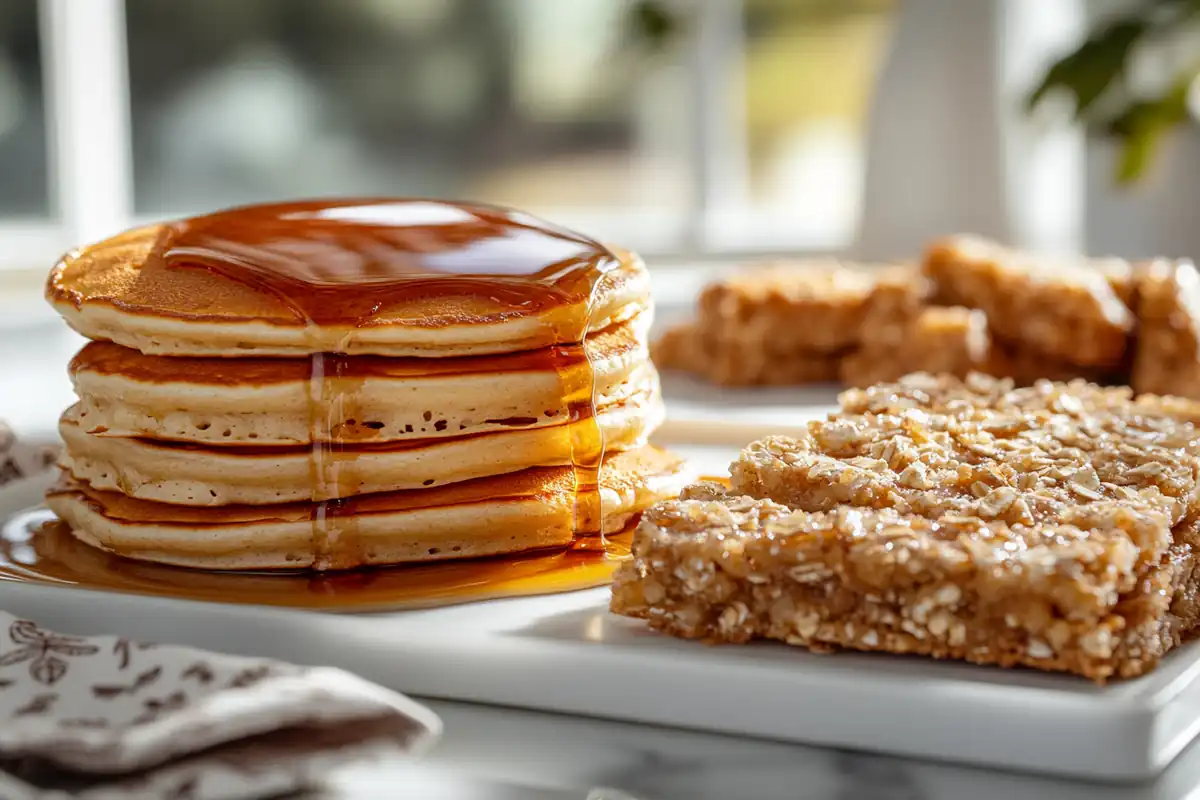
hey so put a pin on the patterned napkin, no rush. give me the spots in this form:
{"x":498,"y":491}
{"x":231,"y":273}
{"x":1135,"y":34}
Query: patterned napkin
{"x":100,"y":718}
{"x":19,"y":459}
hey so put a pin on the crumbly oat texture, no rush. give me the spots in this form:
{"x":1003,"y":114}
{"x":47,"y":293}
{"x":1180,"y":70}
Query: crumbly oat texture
{"x":899,"y":296}
{"x":1020,"y":468}
{"x":1167,"y":360}
{"x":969,"y":305}
{"x":950,"y":395}
{"x":1027,"y":366}
{"x":796,"y":323}
{"x":951,"y":341}
{"x":728,"y":568}
{"x":978,"y":392}
{"x":1051,"y":526}
{"x":1064,"y":311}
{"x":729,"y":362}
{"x":785,"y":309}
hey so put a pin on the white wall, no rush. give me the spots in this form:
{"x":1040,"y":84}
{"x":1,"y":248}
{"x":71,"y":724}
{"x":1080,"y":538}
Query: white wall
{"x":950,"y":148}
{"x":1159,"y":216}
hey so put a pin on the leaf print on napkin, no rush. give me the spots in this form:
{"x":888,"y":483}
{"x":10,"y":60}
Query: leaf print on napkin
{"x":156,"y":707}
{"x":201,"y":671}
{"x":109,"y":691}
{"x":38,"y":704}
{"x":185,"y":790}
{"x":121,"y":651}
{"x":9,"y":471}
{"x":48,"y":669}
{"x":250,"y":676}
{"x":42,"y":649}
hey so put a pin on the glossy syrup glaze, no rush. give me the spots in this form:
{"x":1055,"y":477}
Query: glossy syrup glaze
{"x":334,"y":264}
{"x":37,"y":548}
{"x":105,"y":358}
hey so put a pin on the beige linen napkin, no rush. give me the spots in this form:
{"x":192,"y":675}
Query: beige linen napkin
{"x":104,"y":717}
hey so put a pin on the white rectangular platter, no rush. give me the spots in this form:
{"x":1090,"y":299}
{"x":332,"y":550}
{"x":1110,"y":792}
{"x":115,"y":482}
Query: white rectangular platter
{"x":701,"y":414}
{"x":566,"y":653}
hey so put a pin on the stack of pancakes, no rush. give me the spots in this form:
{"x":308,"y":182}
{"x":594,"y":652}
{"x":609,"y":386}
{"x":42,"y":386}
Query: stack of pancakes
{"x":217,"y":427}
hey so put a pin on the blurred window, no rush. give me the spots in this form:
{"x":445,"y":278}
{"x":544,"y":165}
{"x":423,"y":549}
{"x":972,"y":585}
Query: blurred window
{"x":24,"y":186}
{"x":804,"y":74}
{"x":540,"y":104}
{"x":677,"y":127}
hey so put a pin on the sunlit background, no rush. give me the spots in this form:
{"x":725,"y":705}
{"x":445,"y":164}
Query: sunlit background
{"x":752,"y":113}
{"x":703,"y":133}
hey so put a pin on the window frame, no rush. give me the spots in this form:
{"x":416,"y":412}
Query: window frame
{"x":87,"y":127}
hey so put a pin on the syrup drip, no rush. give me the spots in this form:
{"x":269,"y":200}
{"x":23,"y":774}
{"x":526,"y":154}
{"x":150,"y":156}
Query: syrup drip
{"x":338,"y":265}
{"x":36,"y":548}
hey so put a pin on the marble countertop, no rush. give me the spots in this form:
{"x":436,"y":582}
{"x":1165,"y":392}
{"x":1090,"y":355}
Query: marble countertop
{"x":503,"y":754}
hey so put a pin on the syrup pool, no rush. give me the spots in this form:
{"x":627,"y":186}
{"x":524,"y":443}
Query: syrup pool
{"x":36,"y":548}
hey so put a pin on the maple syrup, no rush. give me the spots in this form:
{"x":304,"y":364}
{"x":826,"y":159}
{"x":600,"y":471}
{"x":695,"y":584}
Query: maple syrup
{"x":35,"y":547}
{"x":108,"y":358}
{"x":337,"y":266}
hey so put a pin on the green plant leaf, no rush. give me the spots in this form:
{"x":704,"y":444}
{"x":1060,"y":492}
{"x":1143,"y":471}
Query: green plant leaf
{"x":653,"y":23}
{"x":1143,"y":125}
{"x":1095,"y":66}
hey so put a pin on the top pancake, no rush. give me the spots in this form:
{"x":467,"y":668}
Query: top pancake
{"x":382,"y":277}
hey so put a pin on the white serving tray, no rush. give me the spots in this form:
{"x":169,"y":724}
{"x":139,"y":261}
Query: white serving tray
{"x":700,"y":414}
{"x":566,"y":653}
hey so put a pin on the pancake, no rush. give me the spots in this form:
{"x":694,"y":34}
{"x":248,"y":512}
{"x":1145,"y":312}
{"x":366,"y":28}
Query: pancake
{"x":504,"y":514}
{"x":205,"y":475}
{"x":268,"y":400}
{"x":331,"y":384}
{"x":426,"y":278}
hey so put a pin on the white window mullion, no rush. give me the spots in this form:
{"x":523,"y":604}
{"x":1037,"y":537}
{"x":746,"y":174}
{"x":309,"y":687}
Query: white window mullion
{"x":87,"y":86}
{"x":1045,"y":173}
{"x":718,"y":149}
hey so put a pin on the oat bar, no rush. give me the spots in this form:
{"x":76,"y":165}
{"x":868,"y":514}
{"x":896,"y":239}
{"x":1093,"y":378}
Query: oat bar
{"x":1066,"y":311}
{"x":1051,"y":526}
{"x":684,"y":348}
{"x":1122,"y":278}
{"x":948,"y":394}
{"x":1021,"y":467}
{"x":1167,"y":360}
{"x":899,"y":296}
{"x":1050,"y":596}
{"x":952,"y":341}
{"x":786,"y":309}
{"x":977,"y":392}
{"x":1026,"y":366}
